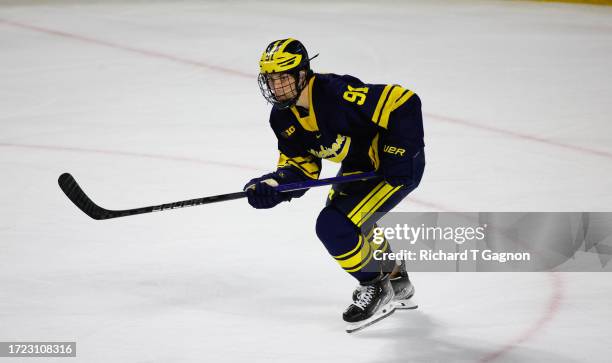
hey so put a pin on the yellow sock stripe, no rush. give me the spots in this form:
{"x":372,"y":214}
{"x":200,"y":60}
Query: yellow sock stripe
{"x":384,"y":245}
{"x":370,"y":233}
{"x":357,"y":248}
{"x":381,"y":101}
{"x":380,"y":193}
{"x":394,"y":96}
{"x":363,"y":262}
{"x":357,"y":258}
{"x":381,"y":247}
{"x":373,"y":247}
{"x":364,"y":200}
{"x":380,"y":202}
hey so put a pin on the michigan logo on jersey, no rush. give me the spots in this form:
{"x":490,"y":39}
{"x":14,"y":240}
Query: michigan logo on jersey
{"x":336,"y":152}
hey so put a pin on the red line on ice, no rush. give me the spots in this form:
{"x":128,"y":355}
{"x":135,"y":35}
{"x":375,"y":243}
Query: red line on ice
{"x":142,"y":51}
{"x":156,"y":54}
{"x":130,"y":153}
{"x":552,"y":308}
{"x":520,"y":135}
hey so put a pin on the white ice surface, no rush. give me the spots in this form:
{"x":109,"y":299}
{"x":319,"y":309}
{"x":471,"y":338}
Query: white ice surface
{"x":153,"y":101}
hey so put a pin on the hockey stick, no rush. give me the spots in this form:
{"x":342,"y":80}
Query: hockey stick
{"x":74,"y":192}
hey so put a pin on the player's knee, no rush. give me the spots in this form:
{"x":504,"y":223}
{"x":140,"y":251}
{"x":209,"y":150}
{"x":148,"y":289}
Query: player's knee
{"x":335,"y":230}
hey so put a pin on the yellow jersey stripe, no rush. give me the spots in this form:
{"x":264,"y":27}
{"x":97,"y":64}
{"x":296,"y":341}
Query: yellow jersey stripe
{"x":365,"y":199}
{"x":380,"y":203}
{"x":358,"y":214}
{"x":377,"y":205}
{"x":309,"y":123}
{"x":381,"y":101}
{"x":373,"y":153}
{"x":352,"y":173}
{"x":402,"y":99}
{"x":310,"y":174}
{"x":395,"y":94}
{"x":307,"y":165}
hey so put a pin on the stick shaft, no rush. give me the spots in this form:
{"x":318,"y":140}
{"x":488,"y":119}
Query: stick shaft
{"x":74,"y":192}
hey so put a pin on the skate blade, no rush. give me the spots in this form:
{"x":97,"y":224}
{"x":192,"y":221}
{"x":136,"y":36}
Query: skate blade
{"x":382,"y":313}
{"x":405,"y":304}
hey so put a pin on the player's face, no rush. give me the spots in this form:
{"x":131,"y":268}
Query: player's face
{"x":282,"y":85}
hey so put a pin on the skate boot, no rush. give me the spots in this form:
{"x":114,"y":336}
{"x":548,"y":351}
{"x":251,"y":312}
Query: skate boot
{"x":402,"y":288}
{"x":373,"y":303}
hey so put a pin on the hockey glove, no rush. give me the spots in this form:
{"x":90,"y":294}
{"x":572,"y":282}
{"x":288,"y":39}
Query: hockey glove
{"x":262,"y":194}
{"x":406,"y":171}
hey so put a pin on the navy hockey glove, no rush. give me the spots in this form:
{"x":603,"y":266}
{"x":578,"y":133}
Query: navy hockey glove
{"x":262,"y":194}
{"x":406,"y":171}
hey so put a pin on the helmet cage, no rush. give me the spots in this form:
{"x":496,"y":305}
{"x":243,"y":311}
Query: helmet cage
{"x":293,"y":87}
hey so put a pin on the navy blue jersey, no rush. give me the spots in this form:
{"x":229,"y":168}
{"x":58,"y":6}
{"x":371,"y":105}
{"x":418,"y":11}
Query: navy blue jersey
{"x":362,"y":126}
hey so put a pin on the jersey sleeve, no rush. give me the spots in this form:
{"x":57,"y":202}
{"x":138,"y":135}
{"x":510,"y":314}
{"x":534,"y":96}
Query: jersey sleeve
{"x":399,"y":118}
{"x":291,"y":159}
{"x":390,"y":112}
{"x":402,"y":150}
{"x":357,"y":105}
{"x":294,"y":163}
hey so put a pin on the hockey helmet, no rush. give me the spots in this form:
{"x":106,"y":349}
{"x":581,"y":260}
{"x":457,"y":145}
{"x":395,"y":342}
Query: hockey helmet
{"x":280,"y":65}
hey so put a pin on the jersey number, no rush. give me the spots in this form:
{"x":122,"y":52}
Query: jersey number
{"x":356,"y":94}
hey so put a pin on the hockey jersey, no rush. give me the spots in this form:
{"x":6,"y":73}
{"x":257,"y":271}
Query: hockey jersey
{"x":360,"y":125}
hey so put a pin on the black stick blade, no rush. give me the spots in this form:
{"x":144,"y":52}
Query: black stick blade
{"x":74,"y":192}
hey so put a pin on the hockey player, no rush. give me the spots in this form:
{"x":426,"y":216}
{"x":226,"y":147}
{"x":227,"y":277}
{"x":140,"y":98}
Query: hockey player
{"x":364,"y":127}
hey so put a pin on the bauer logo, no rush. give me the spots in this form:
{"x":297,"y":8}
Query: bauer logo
{"x":394,"y":150}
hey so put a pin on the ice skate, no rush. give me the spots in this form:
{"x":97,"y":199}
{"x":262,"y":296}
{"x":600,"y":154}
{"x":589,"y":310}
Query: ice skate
{"x":373,"y":303}
{"x":403,"y":290}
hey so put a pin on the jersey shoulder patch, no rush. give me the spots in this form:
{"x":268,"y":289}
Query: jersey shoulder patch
{"x":282,"y":123}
